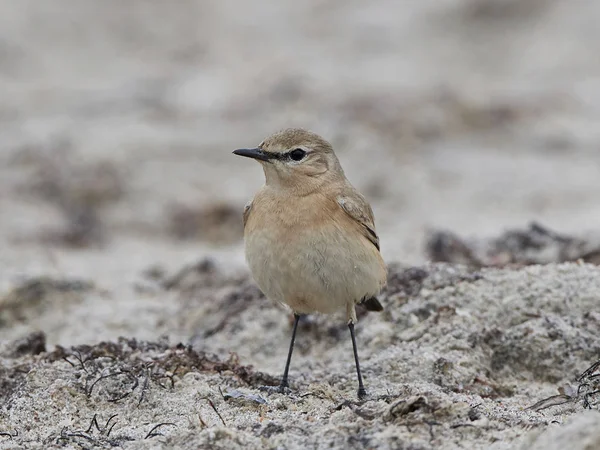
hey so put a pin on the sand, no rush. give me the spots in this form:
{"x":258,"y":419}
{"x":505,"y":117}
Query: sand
{"x":457,"y":360}
{"x":123,"y":287}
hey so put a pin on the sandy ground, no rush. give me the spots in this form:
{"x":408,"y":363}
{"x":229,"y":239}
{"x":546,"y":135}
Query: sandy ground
{"x":117,"y":123}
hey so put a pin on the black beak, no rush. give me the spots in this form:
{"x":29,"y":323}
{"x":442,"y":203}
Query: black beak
{"x":254,"y":153}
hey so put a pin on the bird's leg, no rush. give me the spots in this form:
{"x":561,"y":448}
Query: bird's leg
{"x":284,"y":381}
{"x":362,"y":393}
{"x":361,"y":387}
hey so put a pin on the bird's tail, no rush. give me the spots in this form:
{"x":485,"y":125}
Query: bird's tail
{"x":372,"y":304}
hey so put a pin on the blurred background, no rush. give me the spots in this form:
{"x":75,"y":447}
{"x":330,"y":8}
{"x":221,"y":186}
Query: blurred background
{"x":117,"y":122}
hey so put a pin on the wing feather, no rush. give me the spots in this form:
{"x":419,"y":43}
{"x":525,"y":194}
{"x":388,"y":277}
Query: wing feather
{"x":357,"y":207}
{"x":247,"y":210}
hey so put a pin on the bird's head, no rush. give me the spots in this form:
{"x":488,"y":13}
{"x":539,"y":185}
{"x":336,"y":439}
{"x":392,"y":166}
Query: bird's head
{"x":296,"y":159}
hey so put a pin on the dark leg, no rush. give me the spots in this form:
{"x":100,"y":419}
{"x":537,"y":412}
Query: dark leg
{"x":284,"y":381}
{"x":362,"y":393}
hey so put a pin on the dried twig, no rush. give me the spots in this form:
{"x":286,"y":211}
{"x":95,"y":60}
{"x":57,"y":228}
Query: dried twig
{"x":555,"y":400}
{"x":77,"y":355}
{"x":589,"y":385}
{"x":105,"y":429}
{"x":8,"y":435}
{"x":215,"y":409}
{"x":92,"y":423}
{"x":114,"y":374}
{"x":152,"y":432}
{"x":145,"y":385}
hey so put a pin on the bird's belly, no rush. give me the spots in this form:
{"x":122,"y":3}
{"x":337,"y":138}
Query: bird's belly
{"x":314,"y":271}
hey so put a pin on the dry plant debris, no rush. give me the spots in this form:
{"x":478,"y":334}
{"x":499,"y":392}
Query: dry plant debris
{"x":536,"y":244}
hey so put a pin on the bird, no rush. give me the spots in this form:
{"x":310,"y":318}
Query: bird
{"x":309,"y":236}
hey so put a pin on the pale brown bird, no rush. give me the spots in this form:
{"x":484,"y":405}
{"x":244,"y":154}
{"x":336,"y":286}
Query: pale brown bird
{"x":309,"y":235}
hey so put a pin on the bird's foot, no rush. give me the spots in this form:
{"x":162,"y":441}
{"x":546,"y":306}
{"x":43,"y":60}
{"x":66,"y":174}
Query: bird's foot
{"x":281,"y":389}
{"x":362,"y":393}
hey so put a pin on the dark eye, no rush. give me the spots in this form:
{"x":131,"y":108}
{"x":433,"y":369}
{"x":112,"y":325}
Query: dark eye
{"x":297,"y":154}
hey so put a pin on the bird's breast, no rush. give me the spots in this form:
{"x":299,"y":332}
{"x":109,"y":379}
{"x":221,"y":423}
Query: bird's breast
{"x":310,"y":258}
